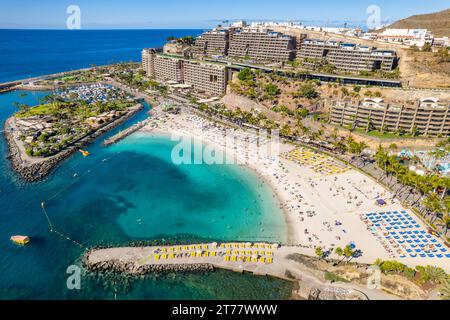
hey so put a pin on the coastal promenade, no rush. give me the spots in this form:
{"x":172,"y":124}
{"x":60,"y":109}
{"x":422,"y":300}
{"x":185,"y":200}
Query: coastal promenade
{"x":262,"y":259}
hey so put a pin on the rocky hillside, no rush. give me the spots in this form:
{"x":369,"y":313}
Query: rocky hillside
{"x":438,"y":23}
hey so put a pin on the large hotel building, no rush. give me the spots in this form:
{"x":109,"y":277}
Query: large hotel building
{"x":262,"y":45}
{"x":259,"y":45}
{"x":201,"y":76}
{"x":255,"y":44}
{"x":429,"y":116}
{"x":346,"y":56}
{"x":213,"y":43}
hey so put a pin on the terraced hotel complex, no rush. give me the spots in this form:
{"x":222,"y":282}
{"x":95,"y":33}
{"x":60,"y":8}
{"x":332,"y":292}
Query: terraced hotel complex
{"x":214,"y":42}
{"x":426,"y":117}
{"x":262,"y":45}
{"x":346,"y":56}
{"x":193,"y":65}
{"x":201,"y":76}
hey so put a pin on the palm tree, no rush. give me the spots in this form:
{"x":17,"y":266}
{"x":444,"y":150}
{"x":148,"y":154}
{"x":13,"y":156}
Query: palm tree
{"x":339,"y":253}
{"x":348,"y":252}
{"x":446,"y":220}
{"x":446,"y":186}
{"x":435,"y":182}
{"x":319,"y":252}
{"x":382,"y":158}
{"x":446,"y":217}
{"x":432,"y":204}
{"x":435,"y":275}
{"x":445,"y":289}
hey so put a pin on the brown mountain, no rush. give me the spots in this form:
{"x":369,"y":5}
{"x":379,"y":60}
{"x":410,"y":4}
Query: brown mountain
{"x":438,"y":23}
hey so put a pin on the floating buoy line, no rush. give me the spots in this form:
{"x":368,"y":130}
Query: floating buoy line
{"x":51,"y":226}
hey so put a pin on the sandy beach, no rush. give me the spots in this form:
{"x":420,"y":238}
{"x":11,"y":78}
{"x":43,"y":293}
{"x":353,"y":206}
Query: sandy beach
{"x":322,"y":209}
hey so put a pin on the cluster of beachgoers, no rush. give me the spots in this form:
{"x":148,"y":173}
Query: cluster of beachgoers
{"x":323,"y":199}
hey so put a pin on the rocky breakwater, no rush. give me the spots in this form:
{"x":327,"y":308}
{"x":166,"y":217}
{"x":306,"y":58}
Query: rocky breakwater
{"x":136,"y":268}
{"x":33,"y":168}
{"x":123,"y":134}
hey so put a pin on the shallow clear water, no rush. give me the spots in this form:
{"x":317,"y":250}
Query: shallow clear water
{"x":130,"y":192}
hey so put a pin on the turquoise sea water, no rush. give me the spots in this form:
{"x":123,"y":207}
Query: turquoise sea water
{"x":130,"y":192}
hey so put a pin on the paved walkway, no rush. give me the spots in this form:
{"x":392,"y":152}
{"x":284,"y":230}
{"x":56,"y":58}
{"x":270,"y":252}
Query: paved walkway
{"x":257,"y":258}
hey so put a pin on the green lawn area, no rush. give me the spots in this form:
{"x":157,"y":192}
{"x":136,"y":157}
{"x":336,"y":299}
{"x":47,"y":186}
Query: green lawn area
{"x":385,"y":135}
{"x":68,"y":78}
{"x":41,"y":110}
{"x":74,"y":109}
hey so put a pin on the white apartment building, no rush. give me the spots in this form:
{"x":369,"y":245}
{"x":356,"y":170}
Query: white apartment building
{"x":409,"y":37}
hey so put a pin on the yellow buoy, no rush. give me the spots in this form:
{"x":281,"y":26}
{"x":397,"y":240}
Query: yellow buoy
{"x":84,"y":153}
{"x":21,"y":240}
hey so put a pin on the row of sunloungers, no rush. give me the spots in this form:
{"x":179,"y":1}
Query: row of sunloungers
{"x":402,"y":236}
{"x":239,"y":252}
{"x":318,"y":162}
{"x":191,"y":247}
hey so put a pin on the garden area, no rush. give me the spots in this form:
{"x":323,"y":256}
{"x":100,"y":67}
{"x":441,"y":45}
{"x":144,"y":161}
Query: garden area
{"x":50,"y":127}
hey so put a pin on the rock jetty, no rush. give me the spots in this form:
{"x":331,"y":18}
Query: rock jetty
{"x":125,"y":133}
{"x":137,"y":270}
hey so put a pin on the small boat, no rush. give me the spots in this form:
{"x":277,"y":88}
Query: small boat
{"x":84,"y":153}
{"x":21,"y":240}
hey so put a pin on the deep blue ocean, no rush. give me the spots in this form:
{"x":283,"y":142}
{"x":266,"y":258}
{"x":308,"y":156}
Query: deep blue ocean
{"x":29,"y":53}
{"x":127,"y":193}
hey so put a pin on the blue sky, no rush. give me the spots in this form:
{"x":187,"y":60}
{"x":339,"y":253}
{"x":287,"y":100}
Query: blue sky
{"x":105,"y":14}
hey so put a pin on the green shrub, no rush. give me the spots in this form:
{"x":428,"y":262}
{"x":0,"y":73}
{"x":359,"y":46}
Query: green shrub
{"x":392,"y":267}
{"x":409,"y":272}
{"x":272,"y":90}
{"x":307,"y":91}
{"x":29,"y":151}
{"x":330,"y":276}
{"x":246,"y":74}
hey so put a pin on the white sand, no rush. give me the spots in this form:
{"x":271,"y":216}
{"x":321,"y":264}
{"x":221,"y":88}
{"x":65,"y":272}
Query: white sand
{"x":312,"y":202}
